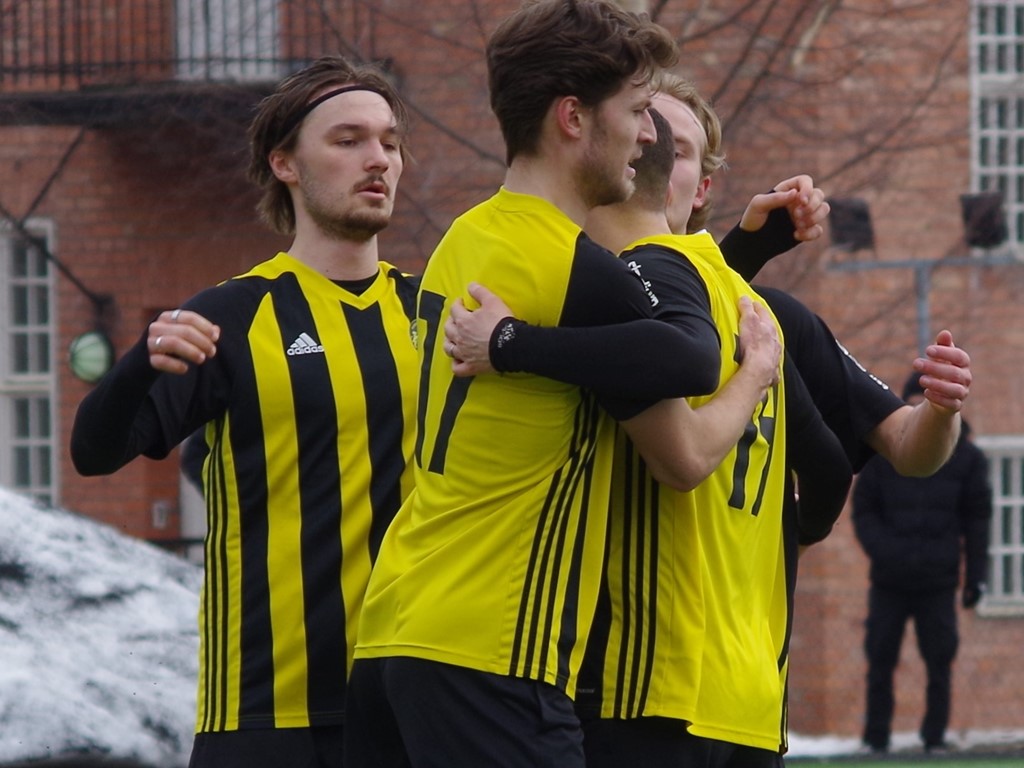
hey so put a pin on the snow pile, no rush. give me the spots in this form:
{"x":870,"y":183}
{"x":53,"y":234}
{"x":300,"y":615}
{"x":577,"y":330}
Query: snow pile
{"x":98,"y":641}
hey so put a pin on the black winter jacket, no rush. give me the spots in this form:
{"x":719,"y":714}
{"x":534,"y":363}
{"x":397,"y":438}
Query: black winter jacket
{"x":912,"y":528}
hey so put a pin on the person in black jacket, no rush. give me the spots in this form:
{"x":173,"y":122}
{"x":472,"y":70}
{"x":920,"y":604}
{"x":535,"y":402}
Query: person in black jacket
{"x":913,"y":531}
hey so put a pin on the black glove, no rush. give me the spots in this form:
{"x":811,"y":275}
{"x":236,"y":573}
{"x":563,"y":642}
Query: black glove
{"x":972,"y":594}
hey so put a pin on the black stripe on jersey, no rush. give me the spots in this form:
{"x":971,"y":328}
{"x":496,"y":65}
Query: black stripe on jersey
{"x":590,"y":683}
{"x":383,"y":394}
{"x":543,"y":569}
{"x":639,"y":586}
{"x":581,"y":471}
{"x":319,"y":500}
{"x":531,"y":578}
{"x":256,"y":644}
{"x":647,"y":532}
{"x":571,"y":607}
{"x":215,"y":651}
{"x":430,"y":307}
{"x":629,"y":508}
{"x":405,"y":288}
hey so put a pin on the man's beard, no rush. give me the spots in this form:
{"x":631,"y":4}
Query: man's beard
{"x":599,"y":186}
{"x":598,"y":182}
{"x":357,"y":226}
{"x":354,"y":225}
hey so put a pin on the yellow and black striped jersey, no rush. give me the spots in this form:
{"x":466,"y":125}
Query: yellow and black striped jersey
{"x":309,"y":409}
{"x":693,"y":620}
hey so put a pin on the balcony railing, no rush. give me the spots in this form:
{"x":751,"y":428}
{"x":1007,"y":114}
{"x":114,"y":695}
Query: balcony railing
{"x":74,"y":45}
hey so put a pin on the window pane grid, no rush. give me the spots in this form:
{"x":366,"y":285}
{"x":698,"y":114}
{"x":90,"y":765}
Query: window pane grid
{"x":997,"y":61}
{"x":28,"y":321}
{"x":1006,"y":547}
{"x":31,"y":444}
{"x":27,"y":385}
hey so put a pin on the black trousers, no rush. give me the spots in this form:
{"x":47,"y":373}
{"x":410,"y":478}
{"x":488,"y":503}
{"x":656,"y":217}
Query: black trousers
{"x":413,"y":713}
{"x":934,"y":615}
{"x":318,"y":747}
{"x":660,"y":742}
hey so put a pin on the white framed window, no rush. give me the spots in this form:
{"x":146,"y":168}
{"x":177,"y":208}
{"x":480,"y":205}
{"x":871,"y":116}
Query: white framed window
{"x":997,"y":105}
{"x":233,"y":40}
{"x":1006,"y":534}
{"x":28,"y":457}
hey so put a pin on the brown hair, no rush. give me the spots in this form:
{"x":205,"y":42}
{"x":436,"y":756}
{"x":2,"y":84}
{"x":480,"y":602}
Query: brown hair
{"x":713,"y":158}
{"x":654,"y":167}
{"x":553,"y":48}
{"x":278,"y":122}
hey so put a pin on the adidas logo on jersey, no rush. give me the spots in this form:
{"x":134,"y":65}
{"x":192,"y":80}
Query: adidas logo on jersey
{"x":305,"y":345}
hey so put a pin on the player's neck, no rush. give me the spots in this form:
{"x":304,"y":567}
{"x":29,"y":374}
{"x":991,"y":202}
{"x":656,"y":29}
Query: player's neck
{"x":549,"y":181}
{"x":616,"y":226}
{"x":336,"y":259}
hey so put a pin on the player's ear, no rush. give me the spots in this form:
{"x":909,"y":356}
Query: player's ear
{"x":282,"y":165}
{"x":703,"y":187}
{"x":570,"y":116}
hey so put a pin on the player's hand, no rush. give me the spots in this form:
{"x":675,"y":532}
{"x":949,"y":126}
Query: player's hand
{"x":806,"y":204}
{"x":467,"y":333}
{"x":946,"y":373}
{"x":972,"y":595}
{"x":760,"y":347}
{"x":179,"y":337}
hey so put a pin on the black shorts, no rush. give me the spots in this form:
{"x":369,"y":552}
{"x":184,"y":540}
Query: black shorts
{"x":318,"y":747}
{"x":661,"y":742}
{"x":412,"y":713}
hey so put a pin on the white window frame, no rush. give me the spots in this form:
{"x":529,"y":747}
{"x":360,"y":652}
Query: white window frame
{"x":44,"y":483}
{"x":996,"y":46}
{"x":1005,"y":595}
{"x":228,"y":40}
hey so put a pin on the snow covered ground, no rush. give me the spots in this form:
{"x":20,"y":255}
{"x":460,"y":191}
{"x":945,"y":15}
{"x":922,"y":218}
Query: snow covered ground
{"x":98,"y":648}
{"x":98,"y":641}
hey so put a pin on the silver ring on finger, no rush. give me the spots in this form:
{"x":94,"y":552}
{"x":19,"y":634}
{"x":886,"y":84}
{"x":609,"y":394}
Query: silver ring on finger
{"x":156,"y":344}
{"x":174,"y":315}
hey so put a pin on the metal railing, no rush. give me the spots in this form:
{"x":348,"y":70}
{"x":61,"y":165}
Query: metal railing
{"x":61,"y":45}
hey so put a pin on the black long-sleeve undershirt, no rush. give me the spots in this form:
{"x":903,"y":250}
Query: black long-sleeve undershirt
{"x":817,"y":457}
{"x":629,"y":365}
{"x":624,"y":361}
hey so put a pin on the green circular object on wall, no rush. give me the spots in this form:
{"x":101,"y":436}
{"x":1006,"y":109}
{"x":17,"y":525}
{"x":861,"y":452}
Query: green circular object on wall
{"x":90,"y":356}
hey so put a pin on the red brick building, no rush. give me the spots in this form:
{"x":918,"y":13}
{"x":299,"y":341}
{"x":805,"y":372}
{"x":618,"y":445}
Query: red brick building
{"x":122,"y":150}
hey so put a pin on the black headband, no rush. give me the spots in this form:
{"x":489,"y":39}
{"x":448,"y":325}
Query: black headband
{"x":301,"y":114}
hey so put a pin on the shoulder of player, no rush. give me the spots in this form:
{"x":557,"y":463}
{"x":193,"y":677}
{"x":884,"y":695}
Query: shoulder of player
{"x":651,"y":255}
{"x":232,"y":302}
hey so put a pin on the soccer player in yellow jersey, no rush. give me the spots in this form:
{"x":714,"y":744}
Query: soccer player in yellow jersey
{"x":479,"y":605}
{"x":304,"y":372}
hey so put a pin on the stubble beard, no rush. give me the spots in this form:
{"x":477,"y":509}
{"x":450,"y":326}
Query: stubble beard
{"x":599,"y":182}
{"x":603,"y":186}
{"x":354,"y":226}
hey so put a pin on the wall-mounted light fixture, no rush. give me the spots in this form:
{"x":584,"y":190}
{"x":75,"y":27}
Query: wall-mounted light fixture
{"x":984,"y":219}
{"x":91,"y":355}
{"x":850,"y":223}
